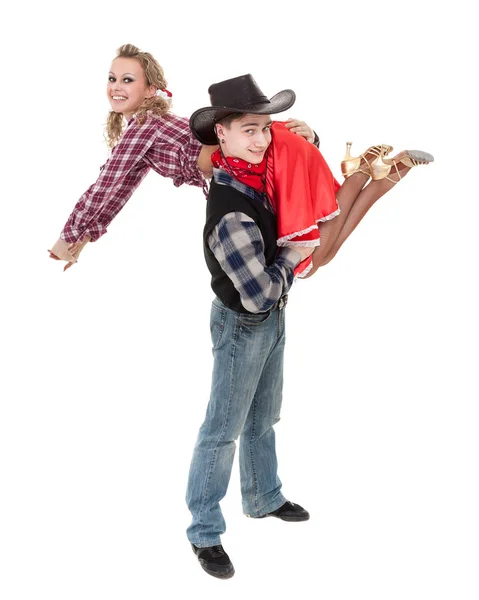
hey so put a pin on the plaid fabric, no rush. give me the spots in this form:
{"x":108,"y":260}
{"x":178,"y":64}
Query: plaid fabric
{"x":238,"y":246}
{"x":164,"y":144}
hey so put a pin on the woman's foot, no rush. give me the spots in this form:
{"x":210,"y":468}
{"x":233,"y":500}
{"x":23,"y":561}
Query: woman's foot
{"x":351,"y":165}
{"x":395,"y":168}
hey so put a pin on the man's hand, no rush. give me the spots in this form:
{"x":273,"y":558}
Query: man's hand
{"x":303,"y":251}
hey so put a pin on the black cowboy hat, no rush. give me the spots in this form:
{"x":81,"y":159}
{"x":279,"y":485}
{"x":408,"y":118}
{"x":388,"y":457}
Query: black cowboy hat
{"x":238,"y":95}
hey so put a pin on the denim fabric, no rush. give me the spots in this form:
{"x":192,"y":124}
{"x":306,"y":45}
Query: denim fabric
{"x":245,"y":402}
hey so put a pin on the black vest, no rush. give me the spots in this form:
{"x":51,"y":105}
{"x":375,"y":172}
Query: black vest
{"x":223,"y":199}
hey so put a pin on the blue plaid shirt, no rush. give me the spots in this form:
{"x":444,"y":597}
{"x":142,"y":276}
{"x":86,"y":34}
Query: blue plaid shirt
{"x":238,"y":246}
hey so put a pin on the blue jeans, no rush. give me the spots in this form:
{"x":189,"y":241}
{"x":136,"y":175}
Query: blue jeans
{"x":245,"y":402}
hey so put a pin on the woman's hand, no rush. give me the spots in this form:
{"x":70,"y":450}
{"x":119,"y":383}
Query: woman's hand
{"x":68,"y":252}
{"x":301,"y":128}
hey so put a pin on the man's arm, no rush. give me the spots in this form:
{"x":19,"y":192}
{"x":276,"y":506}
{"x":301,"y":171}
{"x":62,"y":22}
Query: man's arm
{"x":304,"y":130}
{"x":238,"y":246}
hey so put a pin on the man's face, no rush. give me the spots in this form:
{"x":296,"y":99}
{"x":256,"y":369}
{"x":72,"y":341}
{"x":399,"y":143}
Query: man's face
{"x":247,"y":138}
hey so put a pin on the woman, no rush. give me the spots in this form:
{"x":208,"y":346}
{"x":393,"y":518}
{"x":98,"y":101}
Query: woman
{"x":154,"y":138}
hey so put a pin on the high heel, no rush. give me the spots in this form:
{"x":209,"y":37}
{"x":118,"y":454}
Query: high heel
{"x":381,"y":167}
{"x":352,"y":164}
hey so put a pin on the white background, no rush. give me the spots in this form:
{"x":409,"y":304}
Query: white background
{"x":106,"y":368}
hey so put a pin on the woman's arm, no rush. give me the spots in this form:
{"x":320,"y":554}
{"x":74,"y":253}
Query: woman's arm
{"x":204,"y":160}
{"x":120,"y":176}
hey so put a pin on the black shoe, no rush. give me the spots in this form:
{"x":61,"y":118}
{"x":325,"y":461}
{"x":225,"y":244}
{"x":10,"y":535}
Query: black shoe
{"x":289,"y":512}
{"x":215,"y":561}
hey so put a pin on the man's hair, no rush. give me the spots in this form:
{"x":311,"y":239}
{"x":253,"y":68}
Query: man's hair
{"x":226,"y":121}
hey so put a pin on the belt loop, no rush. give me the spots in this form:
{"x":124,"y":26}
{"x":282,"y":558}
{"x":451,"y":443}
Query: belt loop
{"x":283,"y":301}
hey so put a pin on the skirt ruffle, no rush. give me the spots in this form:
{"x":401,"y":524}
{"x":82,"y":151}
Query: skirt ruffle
{"x":302,"y":188}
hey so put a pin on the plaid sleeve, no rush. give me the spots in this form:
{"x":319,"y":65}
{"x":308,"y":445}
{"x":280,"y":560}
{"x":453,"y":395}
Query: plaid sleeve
{"x":181,"y":150}
{"x":120,"y":176}
{"x":238,"y":246}
{"x":175,"y":155}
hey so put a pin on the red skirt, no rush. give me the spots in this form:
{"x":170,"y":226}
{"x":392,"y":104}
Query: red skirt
{"x":302,"y":188}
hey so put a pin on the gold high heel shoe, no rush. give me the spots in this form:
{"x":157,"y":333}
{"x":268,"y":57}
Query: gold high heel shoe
{"x":352,"y":164}
{"x":381,"y":167}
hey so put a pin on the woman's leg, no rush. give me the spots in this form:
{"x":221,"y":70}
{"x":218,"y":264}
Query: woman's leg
{"x":364,"y":201}
{"x":335,"y":232}
{"x":346,"y":197}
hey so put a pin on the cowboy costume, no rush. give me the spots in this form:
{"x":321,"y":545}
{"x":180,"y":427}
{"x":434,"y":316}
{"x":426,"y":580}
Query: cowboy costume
{"x":251,"y":277}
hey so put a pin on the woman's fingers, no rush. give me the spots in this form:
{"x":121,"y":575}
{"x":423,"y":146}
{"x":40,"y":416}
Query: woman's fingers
{"x":60,"y":249}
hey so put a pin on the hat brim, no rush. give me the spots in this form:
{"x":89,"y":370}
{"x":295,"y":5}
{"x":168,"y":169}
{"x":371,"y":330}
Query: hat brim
{"x":203,"y":120}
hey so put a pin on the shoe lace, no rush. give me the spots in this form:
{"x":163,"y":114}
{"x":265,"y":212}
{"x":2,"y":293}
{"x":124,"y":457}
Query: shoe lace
{"x":217,"y":551}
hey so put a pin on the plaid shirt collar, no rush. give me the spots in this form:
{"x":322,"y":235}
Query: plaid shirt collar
{"x":223,"y":178}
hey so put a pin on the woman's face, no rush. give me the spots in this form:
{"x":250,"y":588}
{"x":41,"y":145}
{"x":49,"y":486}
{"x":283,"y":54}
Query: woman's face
{"x":247,"y":138}
{"x":127,"y":87}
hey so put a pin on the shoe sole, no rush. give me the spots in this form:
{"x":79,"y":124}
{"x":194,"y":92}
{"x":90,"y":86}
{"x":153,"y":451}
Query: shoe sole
{"x":217,"y":574}
{"x":290,"y":519}
{"x":421,"y":156}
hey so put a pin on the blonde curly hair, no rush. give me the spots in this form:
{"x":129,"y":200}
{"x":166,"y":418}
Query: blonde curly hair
{"x":156,"y":105}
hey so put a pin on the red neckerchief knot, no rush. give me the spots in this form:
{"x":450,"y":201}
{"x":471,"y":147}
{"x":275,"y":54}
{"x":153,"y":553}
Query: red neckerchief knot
{"x":248,"y":173}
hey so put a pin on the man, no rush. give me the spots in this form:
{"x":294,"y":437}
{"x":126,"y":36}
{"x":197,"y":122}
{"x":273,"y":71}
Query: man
{"x":251,"y":279}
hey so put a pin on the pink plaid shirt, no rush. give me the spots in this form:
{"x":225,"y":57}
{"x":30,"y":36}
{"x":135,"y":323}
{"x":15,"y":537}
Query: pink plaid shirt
{"x":164,"y":144}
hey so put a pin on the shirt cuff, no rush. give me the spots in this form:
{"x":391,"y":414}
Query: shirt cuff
{"x":72,"y":235}
{"x":68,"y":235}
{"x":290,"y":256}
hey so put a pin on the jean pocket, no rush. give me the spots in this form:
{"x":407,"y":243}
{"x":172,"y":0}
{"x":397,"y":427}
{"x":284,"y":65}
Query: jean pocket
{"x":217,"y":324}
{"x":254,"y":319}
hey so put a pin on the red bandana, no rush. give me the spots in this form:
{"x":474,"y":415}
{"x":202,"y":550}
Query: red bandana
{"x":247,"y":173}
